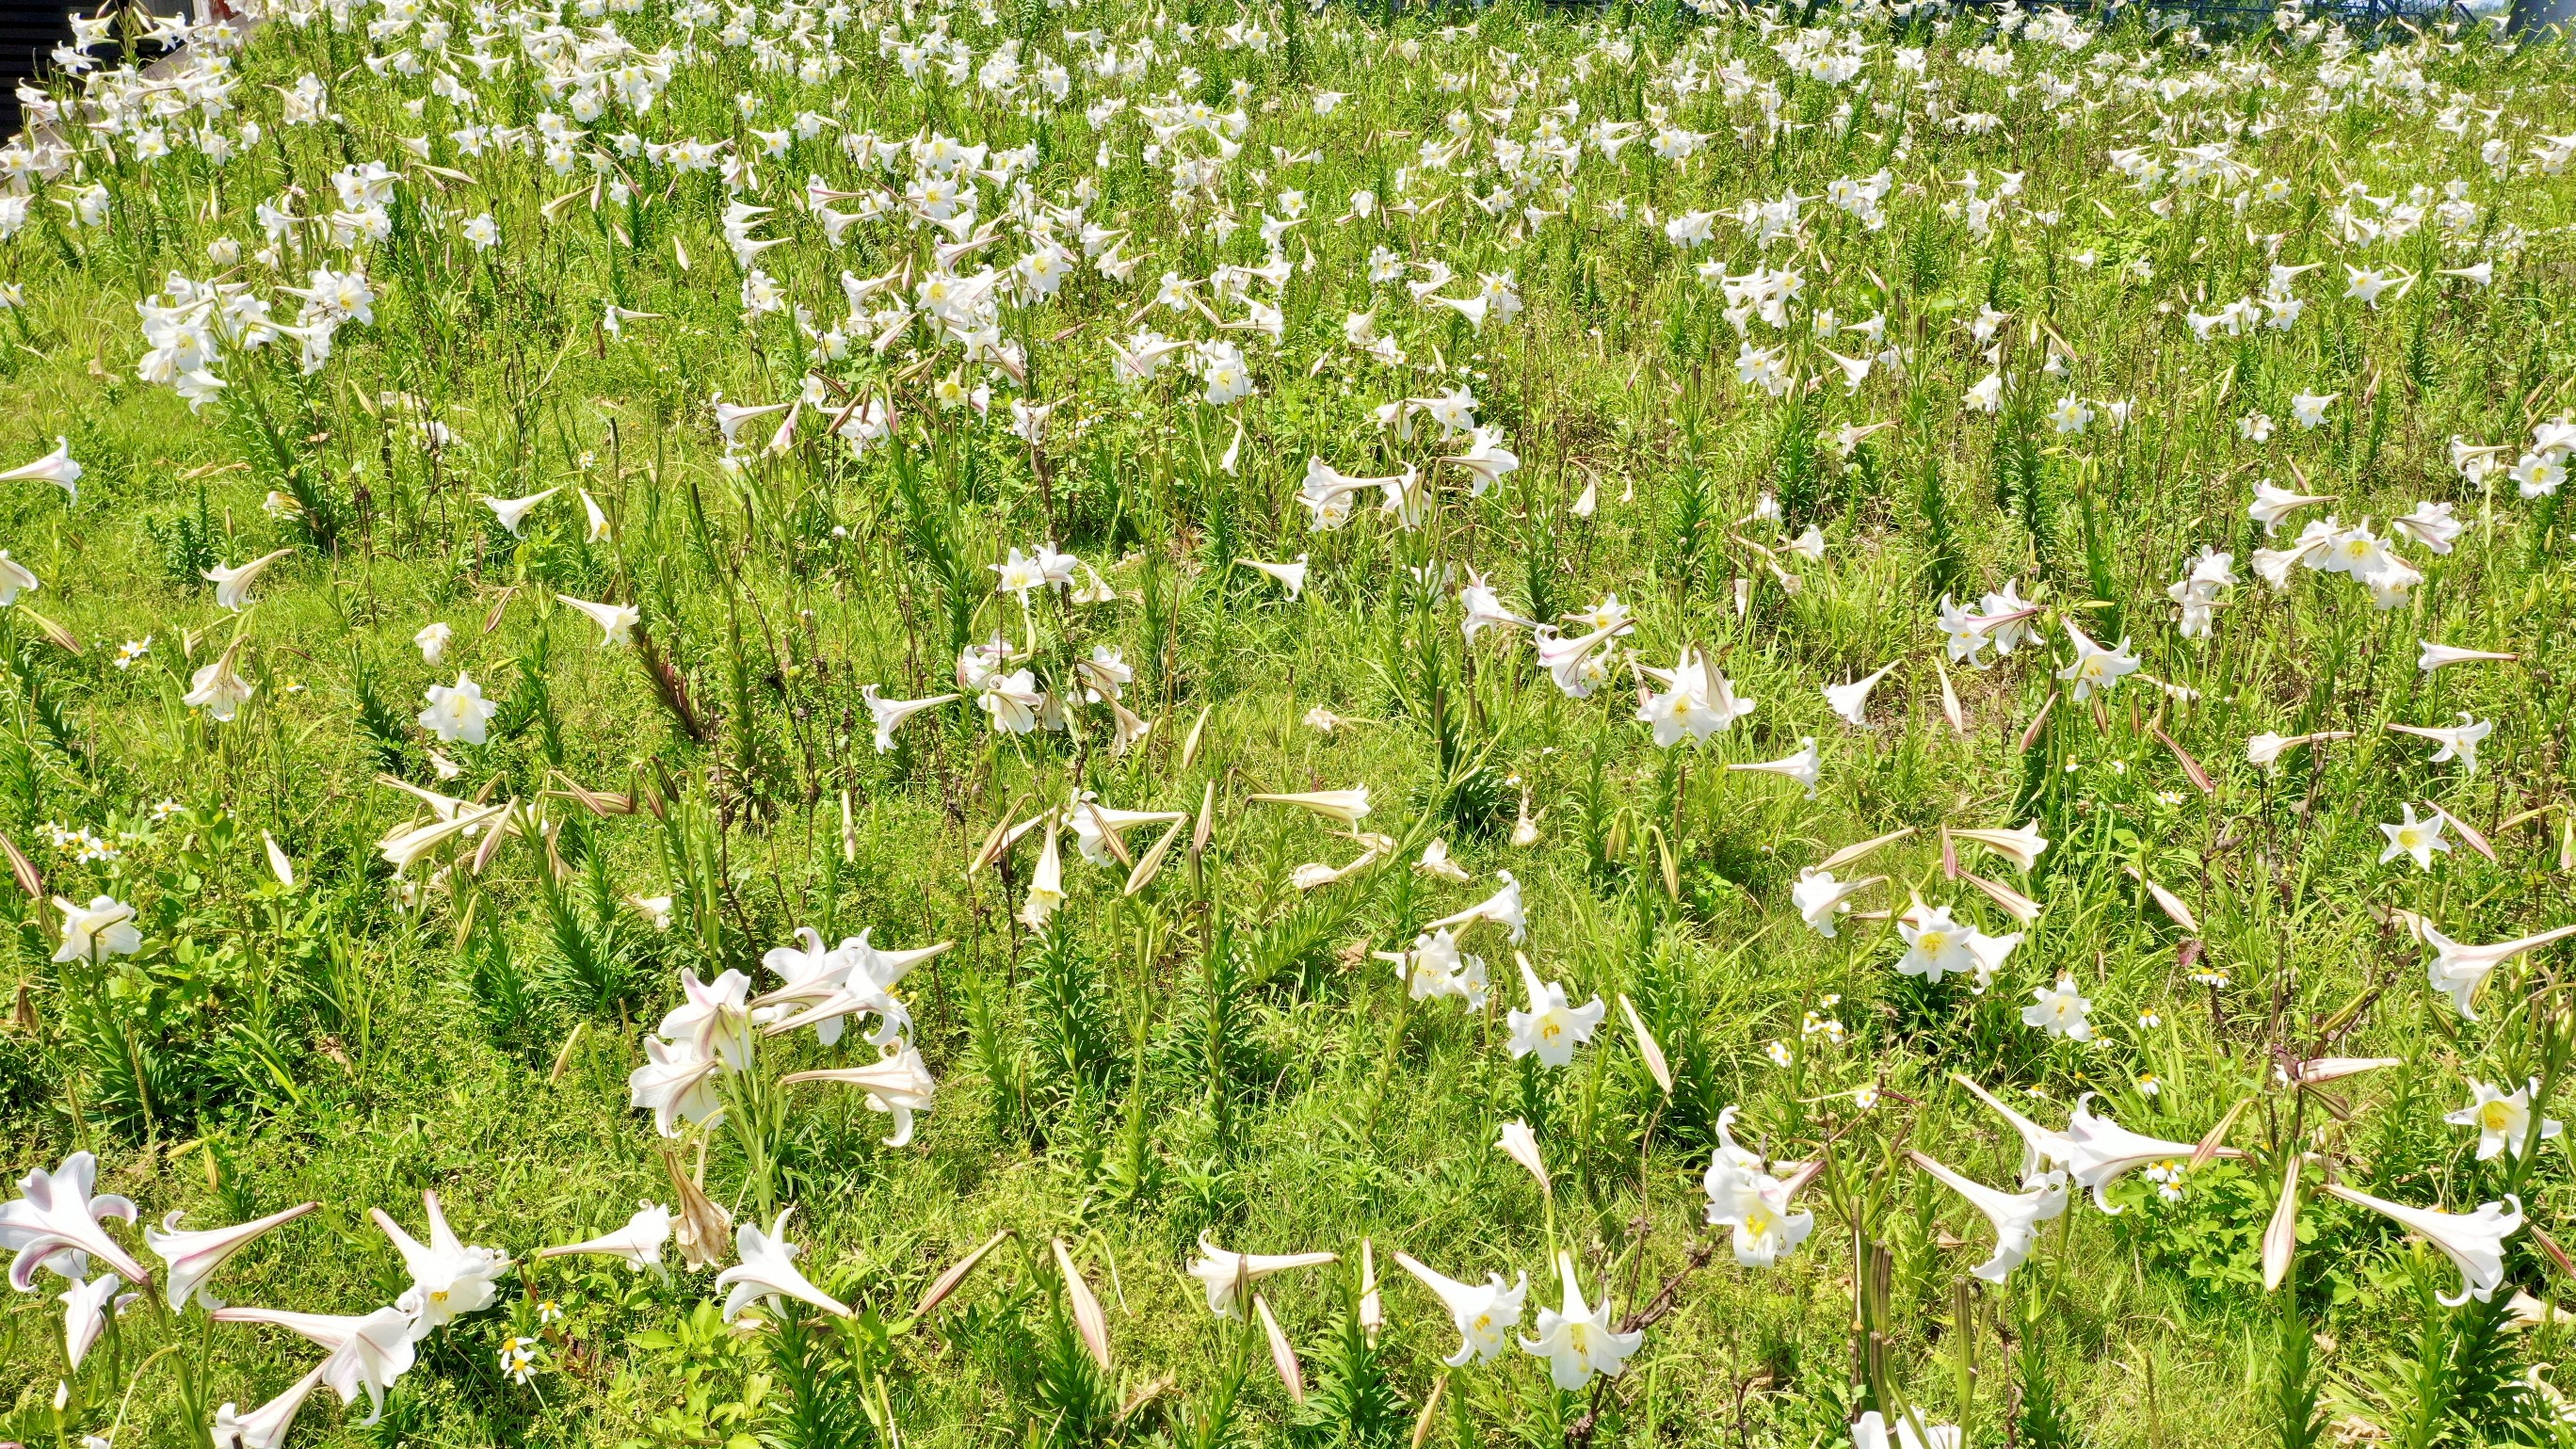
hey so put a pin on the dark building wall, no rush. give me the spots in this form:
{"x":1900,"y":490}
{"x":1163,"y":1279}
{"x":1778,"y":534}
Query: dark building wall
{"x":28,"y":35}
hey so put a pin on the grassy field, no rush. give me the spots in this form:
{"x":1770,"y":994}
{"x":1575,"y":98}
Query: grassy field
{"x":512,"y":461}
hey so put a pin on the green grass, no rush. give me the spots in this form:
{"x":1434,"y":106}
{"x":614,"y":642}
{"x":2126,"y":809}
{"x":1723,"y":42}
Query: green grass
{"x":1220,"y":1053}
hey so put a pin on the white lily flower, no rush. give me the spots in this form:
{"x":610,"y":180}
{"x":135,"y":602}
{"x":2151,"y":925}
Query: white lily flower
{"x":2458,"y":742}
{"x":194,"y":1255}
{"x":1851,"y":701}
{"x":898,"y":1084}
{"x":2021,"y":846}
{"x":2430,"y":656}
{"x":1937,"y":946}
{"x":267,"y":1426}
{"x":513,"y":512}
{"x":55,"y":1224}
{"x":2474,"y":1242}
{"x":1226,"y":1275}
{"x":2458,"y":970}
{"x":1803,"y":768}
{"x":1577,"y":1339}
{"x":1820,"y":898}
{"x":616,"y":621}
{"x":766,"y":1268}
{"x":1573,"y":663}
{"x":85,"y":1310}
{"x":2276,"y":504}
{"x":1483,"y":1313}
{"x":638,"y":1245}
{"x":1700,"y":702}
{"x":2418,"y":838}
{"x":448,"y":1278}
{"x":676,"y":1083}
{"x":2503,"y":1119}
{"x":458,"y":712}
{"x":1290,"y":576}
{"x":2104,"y":1151}
{"x":715,"y":1019}
{"x":2015,"y":1216}
{"x":368,"y":1353}
{"x":99,"y":930}
{"x":1046,"y":883}
{"x":1503,"y":908}
{"x":1434,"y":968}
{"x":1486,"y":460}
{"x":55,"y":467}
{"x":232,"y":585}
{"x":1436,"y":862}
{"x":2096,"y":668}
{"x":1094,"y":824}
{"x":1743,"y":1196}
{"x":2060,"y":1010}
{"x":1483,"y":609}
{"x":15,"y":579}
{"x":1346,"y":806}
{"x":1520,"y":1144}
{"x":1550,"y":1027}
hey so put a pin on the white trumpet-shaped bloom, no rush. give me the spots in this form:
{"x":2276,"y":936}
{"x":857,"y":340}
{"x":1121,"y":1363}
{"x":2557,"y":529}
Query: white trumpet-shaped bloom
{"x":233,"y":585}
{"x":513,"y":512}
{"x":367,"y":1352}
{"x":1851,"y":701}
{"x":1549,"y":1027}
{"x":2503,"y":1118}
{"x":638,"y":1244}
{"x":1937,"y":945}
{"x":2015,"y":1216}
{"x":1803,"y":768}
{"x":194,"y":1255}
{"x":103,"y":928}
{"x":448,"y":1278}
{"x":888,"y":715}
{"x":616,"y":621}
{"x":1226,"y":1275}
{"x":898,"y":1084}
{"x":458,"y":712}
{"x":1503,"y":908}
{"x":2100,"y":1151}
{"x":2474,"y":1242}
{"x":1483,"y":1313}
{"x":267,"y":1426}
{"x":1756,"y":1205}
{"x":2459,"y":970}
{"x":56,"y":1223}
{"x":1699,"y":701}
{"x":55,"y":467}
{"x":1820,"y":898}
{"x":1578,"y":1339}
{"x":766,"y":1268}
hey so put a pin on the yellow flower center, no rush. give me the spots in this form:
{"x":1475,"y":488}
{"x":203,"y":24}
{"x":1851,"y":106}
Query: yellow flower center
{"x":2495,"y":1116}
